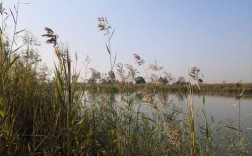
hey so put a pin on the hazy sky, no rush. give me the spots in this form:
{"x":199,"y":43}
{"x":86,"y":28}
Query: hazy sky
{"x":215,"y":35}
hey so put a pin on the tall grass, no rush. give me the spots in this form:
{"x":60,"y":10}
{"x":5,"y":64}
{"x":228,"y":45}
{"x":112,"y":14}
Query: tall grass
{"x":44,"y":116}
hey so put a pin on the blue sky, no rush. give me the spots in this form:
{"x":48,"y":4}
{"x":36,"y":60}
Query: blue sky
{"x":215,"y":35}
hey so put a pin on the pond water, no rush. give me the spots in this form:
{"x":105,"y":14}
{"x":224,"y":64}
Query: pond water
{"x":228,"y":112}
{"x":221,"y":108}
{"x":220,"y":111}
{"x":225,"y":112}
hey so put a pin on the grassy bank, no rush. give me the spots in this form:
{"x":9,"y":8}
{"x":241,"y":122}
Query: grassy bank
{"x":227,"y":90}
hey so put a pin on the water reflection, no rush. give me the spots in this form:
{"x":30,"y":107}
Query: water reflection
{"x":217,"y":107}
{"x":220,"y":111}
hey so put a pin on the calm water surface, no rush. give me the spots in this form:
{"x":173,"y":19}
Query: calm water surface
{"x":220,"y":111}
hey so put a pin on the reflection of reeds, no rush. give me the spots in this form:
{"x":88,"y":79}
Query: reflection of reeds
{"x":235,"y":138}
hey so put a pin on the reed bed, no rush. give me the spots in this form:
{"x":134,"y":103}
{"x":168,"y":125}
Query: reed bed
{"x":40,"y":115}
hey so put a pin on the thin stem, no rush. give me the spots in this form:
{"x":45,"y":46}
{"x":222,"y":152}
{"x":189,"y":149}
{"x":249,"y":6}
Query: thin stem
{"x":239,"y":120}
{"x":191,"y":120}
{"x":15,"y":26}
{"x":109,"y":46}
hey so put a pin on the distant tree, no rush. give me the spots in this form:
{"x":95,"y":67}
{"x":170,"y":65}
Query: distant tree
{"x":94,"y":76}
{"x":103,"y":81}
{"x":111,"y":75}
{"x":132,"y":72}
{"x":239,"y":83}
{"x":139,"y":80}
{"x":162,"y":80}
{"x":181,"y":80}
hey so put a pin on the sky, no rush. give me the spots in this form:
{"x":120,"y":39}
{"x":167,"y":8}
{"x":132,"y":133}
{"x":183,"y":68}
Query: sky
{"x":214,"y":35}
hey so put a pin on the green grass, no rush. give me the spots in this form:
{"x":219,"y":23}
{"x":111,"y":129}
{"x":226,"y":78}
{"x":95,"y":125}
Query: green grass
{"x":44,"y":116}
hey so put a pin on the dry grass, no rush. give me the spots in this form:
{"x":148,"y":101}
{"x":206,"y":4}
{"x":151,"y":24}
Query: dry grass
{"x":41,"y":116}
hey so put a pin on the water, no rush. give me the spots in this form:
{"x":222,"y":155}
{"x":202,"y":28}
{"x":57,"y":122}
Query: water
{"x":224,"y":113}
{"x":225,"y":109}
{"x":233,"y":117}
{"x":221,"y":109}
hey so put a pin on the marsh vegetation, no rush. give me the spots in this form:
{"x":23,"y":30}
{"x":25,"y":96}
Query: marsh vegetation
{"x":41,"y":115}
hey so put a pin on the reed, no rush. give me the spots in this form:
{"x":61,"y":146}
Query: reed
{"x":40,"y":115}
